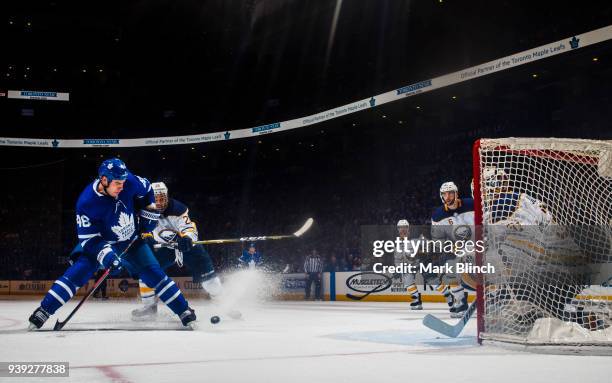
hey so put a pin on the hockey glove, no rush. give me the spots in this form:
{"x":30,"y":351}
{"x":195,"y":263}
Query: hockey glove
{"x":148,"y":220}
{"x":148,"y":239}
{"x":109,"y":259}
{"x":185,"y":244}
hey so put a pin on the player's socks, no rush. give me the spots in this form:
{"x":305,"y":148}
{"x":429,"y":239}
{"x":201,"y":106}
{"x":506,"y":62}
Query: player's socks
{"x":166,"y":290}
{"x":147,"y":294}
{"x":169,"y":293}
{"x":445,"y":291}
{"x":416,"y":303}
{"x":61,"y":292}
{"x":66,"y":286}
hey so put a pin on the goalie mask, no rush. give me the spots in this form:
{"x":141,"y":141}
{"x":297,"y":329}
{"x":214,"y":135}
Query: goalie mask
{"x":495,"y":181}
{"x":161,"y":195}
{"x":448,"y":187}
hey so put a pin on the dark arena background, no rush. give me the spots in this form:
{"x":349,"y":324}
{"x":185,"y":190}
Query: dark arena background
{"x":79,"y":80}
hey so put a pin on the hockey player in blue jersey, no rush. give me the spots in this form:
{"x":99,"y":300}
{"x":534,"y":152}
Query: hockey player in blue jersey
{"x":250,"y":257}
{"x":176,"y":230}
{"x":111,"y":213}
{"x":453,"y":221}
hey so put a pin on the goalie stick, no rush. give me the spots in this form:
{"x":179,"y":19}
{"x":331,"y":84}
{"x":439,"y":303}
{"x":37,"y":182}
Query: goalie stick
{"x":444,"y":328}
{"x":297,"y":234}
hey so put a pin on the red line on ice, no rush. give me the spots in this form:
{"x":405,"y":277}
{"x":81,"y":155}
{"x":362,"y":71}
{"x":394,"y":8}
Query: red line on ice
{"x":110,"y":372}
{"x":12,"y":322}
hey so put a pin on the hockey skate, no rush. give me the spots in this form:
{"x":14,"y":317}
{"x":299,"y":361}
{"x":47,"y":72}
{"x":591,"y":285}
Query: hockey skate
{"x":145,"y":313}
{"x":188,"y":317}
{"x":460,"y":306}
{"x":38,"y":319}
{"x":416,"y":303}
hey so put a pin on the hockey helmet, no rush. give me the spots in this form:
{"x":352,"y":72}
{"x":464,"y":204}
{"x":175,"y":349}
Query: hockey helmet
{"x":403,"y":223}
{"x":448,"y":187}
{"x":403,"y":226}
{"x":160,"y":191}
{"x":113,"y":169}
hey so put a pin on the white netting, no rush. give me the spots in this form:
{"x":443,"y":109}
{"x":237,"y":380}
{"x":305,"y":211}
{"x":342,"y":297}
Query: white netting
{"x":547,"y":218}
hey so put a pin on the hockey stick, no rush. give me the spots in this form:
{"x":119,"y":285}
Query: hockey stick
{"x":297,"y":234}
{"x":444,"y":328}
{"x":59,"y":325}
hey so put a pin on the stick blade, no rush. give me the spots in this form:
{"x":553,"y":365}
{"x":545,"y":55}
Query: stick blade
{"x":58,"y":326}
{"x":304,"y":227}
{"x":440,"y":326}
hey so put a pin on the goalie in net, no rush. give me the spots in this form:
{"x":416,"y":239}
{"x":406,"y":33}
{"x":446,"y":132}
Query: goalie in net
{"x":546,"y":213}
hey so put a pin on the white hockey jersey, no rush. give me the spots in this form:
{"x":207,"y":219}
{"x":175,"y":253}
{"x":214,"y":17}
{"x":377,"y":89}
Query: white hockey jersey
{"x":458,"y":224}
{"x":175,"y":222}
{"x":524,"y":237}
{"x":516,"y":208}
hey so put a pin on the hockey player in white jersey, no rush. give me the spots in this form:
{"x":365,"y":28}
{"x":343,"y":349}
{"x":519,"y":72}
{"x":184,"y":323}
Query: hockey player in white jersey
{"x":454,"y":221}
{"x":176,"y":230}
{"x":409,"y":279}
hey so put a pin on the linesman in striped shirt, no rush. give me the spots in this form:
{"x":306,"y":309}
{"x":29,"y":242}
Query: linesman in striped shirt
{"x":313,"y":267}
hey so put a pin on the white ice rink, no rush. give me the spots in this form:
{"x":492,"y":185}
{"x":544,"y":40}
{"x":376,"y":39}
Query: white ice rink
{"x":277,"y":342}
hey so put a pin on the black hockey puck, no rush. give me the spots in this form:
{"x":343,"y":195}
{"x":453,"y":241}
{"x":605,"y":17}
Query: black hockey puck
{"x":215,"y":319}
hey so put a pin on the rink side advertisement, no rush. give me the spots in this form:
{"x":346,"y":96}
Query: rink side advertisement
{"x":370,"y":286}
{"x":362,"y":285}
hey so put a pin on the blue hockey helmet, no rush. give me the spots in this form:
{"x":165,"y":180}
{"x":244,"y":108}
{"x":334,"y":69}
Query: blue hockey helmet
{"x":113,"y":169}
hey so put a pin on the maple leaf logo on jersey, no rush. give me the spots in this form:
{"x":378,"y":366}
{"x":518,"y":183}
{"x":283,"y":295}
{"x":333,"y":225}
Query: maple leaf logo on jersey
{"x":125,"y":228}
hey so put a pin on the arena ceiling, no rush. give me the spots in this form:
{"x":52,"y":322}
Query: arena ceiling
{"x":137,"y":68}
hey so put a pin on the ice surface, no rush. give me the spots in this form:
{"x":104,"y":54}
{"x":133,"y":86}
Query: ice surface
{"x":276,"y":342}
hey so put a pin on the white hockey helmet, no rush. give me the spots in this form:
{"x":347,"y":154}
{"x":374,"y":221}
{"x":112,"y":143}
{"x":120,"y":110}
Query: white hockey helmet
{"x":160,"y":191}
{"x":403,"y":227}
{"x":448,"y":187}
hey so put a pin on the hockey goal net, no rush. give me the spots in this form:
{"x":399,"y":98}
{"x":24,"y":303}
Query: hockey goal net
{"x":544,"y":209}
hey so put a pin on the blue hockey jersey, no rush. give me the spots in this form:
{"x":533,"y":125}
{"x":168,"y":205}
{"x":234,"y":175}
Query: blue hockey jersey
{"x":104,"y":221}
{"x":247,"y":257}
